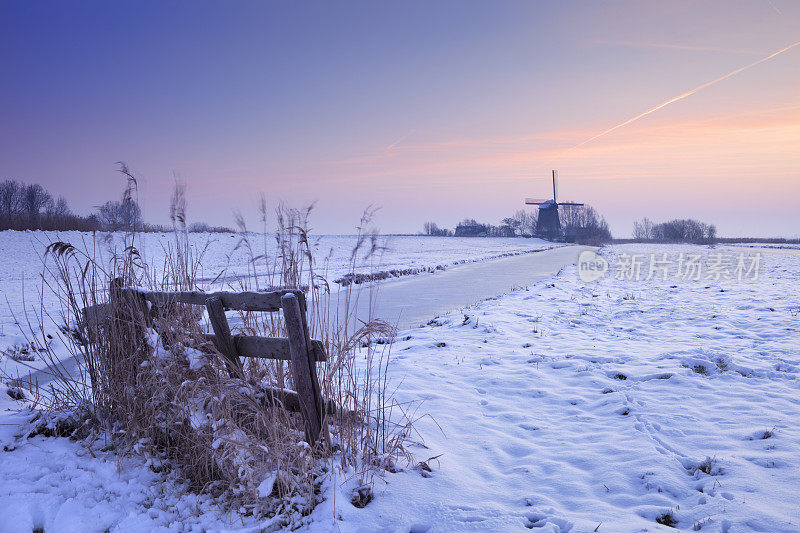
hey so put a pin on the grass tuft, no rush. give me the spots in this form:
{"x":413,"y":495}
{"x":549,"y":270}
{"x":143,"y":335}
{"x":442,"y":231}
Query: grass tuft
{"x":667,"y":519}
{"x":149,"y":382}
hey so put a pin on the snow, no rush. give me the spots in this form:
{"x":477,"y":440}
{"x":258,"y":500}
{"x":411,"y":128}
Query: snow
{"x":266,"y":486}
{"x":569,"y":407}
{"x":561,"y":406}
{"x":59,"y":485}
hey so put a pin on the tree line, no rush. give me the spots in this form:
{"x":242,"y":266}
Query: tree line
{"x":32,"y":207}
{"x":521,"y":224}
{"x":579,"y":224}
{"x":582,"y":224}
{"x":677,"y":230}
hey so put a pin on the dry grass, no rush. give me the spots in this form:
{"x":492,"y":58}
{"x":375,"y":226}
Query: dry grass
{"x":151,"y":385}
{"x":667,"y":519}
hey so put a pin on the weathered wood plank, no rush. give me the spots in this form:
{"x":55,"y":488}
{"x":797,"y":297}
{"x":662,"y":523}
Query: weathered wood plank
{"x":301,"y":299}
{"x":310,"y":405}
{"x":303,"y":303}
{"x":246,"y":345}
{"x":290,"y":400}
{"x":240,"y":301}
{"x":222,"y":335}
{"x":270,"y":347}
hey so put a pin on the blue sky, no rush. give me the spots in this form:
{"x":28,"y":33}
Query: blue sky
{"x":432,"y":110}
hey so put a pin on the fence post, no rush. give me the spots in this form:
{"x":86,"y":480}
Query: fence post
{"x":301,"y":299}
{"x":222,"y":336}
{"x":128,"y":323}
{"x":303,"y":368}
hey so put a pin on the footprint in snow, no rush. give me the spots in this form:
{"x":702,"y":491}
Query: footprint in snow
{"x":536,"y":520}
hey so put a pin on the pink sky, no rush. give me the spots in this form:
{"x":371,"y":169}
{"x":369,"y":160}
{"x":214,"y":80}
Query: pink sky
{"x":433,"y":112}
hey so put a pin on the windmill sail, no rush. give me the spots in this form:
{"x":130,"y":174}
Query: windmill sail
{"x":555,"y":186}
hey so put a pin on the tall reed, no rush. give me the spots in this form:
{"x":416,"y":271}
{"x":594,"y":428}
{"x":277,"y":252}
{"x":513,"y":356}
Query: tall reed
{"x":151,"y":384}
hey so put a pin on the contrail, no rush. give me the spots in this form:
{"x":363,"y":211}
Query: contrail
{"x":633,"y":44}
{"x":398,"y":141}
{"x":684,"y":95}
{"x":778,"y":11}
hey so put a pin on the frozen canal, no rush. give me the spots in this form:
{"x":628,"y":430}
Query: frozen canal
{"x":412,"y":301}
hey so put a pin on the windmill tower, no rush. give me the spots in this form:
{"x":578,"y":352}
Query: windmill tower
{"x":548,"y":224}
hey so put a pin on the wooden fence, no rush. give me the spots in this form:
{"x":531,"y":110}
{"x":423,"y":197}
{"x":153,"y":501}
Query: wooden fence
{"x":298,"y":347}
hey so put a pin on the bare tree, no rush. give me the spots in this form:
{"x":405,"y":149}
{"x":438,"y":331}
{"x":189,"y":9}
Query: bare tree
{"x":35,"y":199}
{"x":527,"y":222}
{"x":117,"y":216}
{"x":431,"y":228}
{"x":60,"y":208}
{"x":58,"y":215}
{"x":643,"y":229}
{"x":10,"y":199}
{"x":583,"y":224}
{"x":509,"y":227}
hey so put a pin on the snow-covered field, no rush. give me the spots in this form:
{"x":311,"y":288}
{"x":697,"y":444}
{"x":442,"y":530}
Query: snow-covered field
{"x":223,"y":258}
{"x":602,"y":407}
{"x":619,"y":405}
{"x":21,"y":266}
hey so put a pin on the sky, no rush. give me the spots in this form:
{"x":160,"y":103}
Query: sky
{"x":431,"y":111}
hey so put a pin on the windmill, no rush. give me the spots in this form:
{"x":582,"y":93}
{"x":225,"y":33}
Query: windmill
{"x":548,"y":224}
